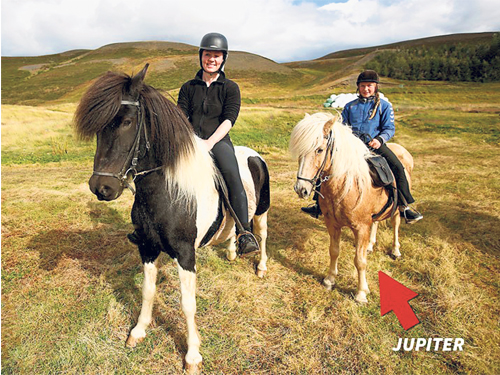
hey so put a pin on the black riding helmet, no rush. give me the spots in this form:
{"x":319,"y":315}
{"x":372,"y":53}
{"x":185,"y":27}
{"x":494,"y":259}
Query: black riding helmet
{"x":214,"y":42}
{"x":368,"y":76}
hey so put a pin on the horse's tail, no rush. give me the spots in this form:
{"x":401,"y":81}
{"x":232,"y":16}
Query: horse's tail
{"x":260,"y":175}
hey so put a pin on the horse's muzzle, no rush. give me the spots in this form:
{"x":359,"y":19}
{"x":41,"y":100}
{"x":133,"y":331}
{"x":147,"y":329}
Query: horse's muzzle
{"x":303,"y":188}
{"x":105,"y":188}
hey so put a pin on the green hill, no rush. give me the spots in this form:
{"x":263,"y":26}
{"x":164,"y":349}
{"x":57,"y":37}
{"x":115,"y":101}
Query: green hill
{"x":64,"y":77}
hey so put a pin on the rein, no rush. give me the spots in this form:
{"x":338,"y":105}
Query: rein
{"x":317,"y":180}
{"x":129,"y":167}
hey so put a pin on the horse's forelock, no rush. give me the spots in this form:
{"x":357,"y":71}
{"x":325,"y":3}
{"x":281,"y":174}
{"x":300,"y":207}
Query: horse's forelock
{"x":308,"y":133}
{"x":100,"y":104}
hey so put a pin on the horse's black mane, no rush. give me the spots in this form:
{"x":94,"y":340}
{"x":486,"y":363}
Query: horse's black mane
{"x":170,"y":133}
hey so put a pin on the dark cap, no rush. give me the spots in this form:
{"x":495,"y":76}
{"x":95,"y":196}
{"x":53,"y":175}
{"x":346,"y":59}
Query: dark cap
{"x":368,"y":76}
{"x":214,"y":42}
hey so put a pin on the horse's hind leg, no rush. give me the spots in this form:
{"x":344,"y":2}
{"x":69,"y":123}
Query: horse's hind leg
{"x":396,"y":222}
{"x":373,"y":236}
{"x":231,"y":249}
{"x":329,"y":280}
{"x":148,"y":293}
{"x":260,"y":230}
{"x":362,"y":236}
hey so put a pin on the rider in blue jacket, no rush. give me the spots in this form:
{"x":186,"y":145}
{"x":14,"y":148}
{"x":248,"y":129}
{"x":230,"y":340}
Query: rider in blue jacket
{"x":372,"y":120}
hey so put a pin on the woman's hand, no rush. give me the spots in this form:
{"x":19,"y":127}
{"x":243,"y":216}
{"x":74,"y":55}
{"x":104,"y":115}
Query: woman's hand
{"x":374,"y":143}
{"x":208,"y":144}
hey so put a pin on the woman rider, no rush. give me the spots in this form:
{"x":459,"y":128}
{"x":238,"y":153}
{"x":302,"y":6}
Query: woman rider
{"x":212,"y":102}
{"x":372,"y":120}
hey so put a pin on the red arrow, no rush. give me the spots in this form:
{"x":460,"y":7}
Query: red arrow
{"x":394,"y":296}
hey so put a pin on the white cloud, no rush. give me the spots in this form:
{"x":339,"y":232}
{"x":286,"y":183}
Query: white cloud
{"x":283,"y":30}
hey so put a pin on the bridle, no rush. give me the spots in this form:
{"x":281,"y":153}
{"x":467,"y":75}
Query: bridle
{"x":317,"y":180}
{"x":129,"y":167}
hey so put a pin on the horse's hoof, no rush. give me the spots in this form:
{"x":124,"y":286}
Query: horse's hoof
{"x":261,"y":273}
{"x":328,"y":284}
{"x":193,"y":368}
{"x":231,"y":255}
{"x":395,"y":256}
{"x":132,"y":341}
{"x":361,"y":298}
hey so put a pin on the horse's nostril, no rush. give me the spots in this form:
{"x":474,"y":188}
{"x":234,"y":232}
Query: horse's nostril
{"x":105,"y":190}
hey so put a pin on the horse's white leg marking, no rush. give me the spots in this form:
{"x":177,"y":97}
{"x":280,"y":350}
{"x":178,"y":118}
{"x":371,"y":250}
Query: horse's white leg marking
{"x":360,"y":261}
{"x":148,"y":294}
{"x":396,"y":221}
{"x":231,"y":249}
{"x":260,"y":229}
{"x":373,"y":236}
{"x":188,"y":303}
{"x":335,"y":233}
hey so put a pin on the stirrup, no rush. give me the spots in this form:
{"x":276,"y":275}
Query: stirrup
{"x":413,"y":216}
{"x":247,"y":244}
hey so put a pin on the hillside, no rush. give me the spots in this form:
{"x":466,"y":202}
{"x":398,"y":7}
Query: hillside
{"x":472,"y":38}
{"x":64,"y":77}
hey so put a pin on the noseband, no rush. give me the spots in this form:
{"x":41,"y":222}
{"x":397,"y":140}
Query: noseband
{"x":317,"y":180}
{"x":129,"y":167}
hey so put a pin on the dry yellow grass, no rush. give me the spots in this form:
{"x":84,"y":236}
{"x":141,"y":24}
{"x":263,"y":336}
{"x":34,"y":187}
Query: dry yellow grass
{"x":71,"y":282}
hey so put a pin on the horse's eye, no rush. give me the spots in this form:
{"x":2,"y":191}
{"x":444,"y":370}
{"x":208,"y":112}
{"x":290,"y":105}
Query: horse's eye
{"x":127,"y":122}
{"x":319,"y":150}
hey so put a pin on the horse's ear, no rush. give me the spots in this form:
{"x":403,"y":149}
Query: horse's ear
{"x":137,"y":80}
{"x":328,"y":126}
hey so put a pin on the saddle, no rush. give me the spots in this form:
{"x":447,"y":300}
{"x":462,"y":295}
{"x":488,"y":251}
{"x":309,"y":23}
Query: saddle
{"x":380,"y":171}
{"x":382,"y":176}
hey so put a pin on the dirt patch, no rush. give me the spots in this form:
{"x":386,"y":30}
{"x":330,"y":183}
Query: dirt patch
{"x":33,"y":68}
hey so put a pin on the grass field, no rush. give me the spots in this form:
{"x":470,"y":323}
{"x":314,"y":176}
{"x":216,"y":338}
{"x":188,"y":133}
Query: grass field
{"x":71,"y":283}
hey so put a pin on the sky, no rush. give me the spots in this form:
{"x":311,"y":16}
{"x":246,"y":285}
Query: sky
{"x":282,"y":30}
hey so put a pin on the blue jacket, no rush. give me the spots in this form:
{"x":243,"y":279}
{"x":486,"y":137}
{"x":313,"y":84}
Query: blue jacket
{"x":357,"y":112}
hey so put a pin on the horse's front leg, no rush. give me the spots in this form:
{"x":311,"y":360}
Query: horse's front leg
{"x":188,"y":302}
{"x":148,"y":294}
{"x":396,"y":222}
{"x":329,"y":280}
{"x":373,"y":236}
{"x":362,"y":238}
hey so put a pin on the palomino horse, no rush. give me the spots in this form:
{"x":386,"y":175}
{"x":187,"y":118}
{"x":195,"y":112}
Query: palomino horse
{"x":330,"y":153}
{"x":143,"y":137}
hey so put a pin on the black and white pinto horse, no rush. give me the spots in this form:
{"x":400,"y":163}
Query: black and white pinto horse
{"x":143,"y":138}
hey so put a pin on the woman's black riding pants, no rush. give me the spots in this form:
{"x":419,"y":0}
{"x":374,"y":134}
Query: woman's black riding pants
{"x":225,"y":158}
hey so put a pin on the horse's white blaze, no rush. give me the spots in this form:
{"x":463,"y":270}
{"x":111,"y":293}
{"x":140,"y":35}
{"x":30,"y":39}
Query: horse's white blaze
{"x":188,"y":304}
{"x":301,"y":187}
{"x":148,"y":294}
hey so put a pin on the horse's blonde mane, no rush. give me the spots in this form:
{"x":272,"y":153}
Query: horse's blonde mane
{"x":349,"y":152}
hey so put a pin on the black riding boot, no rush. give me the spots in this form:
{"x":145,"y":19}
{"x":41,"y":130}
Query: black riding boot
{"x":246,"y":241}
{"x":411,"y":216}
{"x":314,"y":210}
